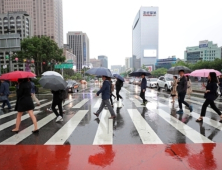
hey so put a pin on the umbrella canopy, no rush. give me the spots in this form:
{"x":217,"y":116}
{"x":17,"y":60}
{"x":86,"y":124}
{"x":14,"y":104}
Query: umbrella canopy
{"x":15,"y":75}
{"x":139,"y":72}
{"x":53,"y":82}
{"x":175,"y":70}
{"x":204,"y":72}
{"x":99,"y":71}
{"x":118,"y":77}
{"x":49,"y":73}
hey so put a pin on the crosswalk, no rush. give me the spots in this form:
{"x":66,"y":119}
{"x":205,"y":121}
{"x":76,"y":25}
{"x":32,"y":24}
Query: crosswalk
{"x":135,"y":124}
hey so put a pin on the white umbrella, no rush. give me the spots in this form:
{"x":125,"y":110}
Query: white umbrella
{"x":49,"y":73}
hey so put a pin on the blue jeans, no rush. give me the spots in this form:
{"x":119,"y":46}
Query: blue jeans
{"x":6,"y":102}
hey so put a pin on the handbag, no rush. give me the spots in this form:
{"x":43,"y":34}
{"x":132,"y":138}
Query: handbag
{"x":3,"y":98}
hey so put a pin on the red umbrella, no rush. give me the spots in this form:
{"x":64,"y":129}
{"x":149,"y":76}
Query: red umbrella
{"x":15,"y":75}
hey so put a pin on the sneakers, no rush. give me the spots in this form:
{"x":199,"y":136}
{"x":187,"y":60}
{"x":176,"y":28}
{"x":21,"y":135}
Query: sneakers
{"x":191,"y":108}
{"x":180,"y":112}
{"x":59,"y":119}
{"x":143,"y":104}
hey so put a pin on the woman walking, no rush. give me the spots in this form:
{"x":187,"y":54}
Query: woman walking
{"x":210,"y":96}
{"x":24,"y":103}
{"x":119,"y":85}
{"x":189,"y":88}
{"x":174,"y":88}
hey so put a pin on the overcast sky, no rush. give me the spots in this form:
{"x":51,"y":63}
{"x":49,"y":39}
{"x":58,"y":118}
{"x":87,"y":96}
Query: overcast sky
{"x":108,"y":24}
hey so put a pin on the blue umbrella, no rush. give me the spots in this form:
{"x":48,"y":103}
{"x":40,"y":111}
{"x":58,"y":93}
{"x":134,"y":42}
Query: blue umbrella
{"x":118,"y":77}
{"x":99,"y":71}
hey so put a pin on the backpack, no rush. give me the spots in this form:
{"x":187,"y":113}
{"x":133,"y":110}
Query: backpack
{"x":36,"y":90}
{"x":63,"y":94}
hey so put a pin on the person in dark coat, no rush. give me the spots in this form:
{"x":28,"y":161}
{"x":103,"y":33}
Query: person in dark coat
{"x":119,"y":85}
{"x":182,"y":90}
{"x":57,"y":100}
{"x":24,"y":103}
{"x":4,"y":90}
{"x":220,"y":85}
{"x":143,"y":89}
{"x":210,"y":96}
{"x":105,"y":90}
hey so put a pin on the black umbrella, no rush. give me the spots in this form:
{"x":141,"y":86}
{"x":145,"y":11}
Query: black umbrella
{"x":99,"y":71}
{"x":139,"y":72}
{"x":53,"y":82}
{"x":175,"y":70}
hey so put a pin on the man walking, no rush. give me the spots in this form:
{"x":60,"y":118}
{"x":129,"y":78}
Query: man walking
{"x":119,"y":85}
{"x":143,"y":89}
{"x":4,"y":90}
{"x":105,"y":90}
{"x":182,"y":89}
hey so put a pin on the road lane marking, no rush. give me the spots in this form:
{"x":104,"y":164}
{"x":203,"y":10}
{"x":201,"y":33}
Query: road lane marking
{"x":147,"y":134}
{"x":12,"y":113}
{"x":15,"y":139}
{"x":136,"y":102}
{"x":97,"y":105}
{"x":189,"y":132}
{"x":208,"y":108}
{"x":12,"y":122}
{"x":33,"y":102}
{"x":63,"y":134}
{"x":80,"y":104}
{"x":104,"y":133}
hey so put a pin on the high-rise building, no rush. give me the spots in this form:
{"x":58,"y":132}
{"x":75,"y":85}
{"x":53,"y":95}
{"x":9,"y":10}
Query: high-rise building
{"x":14,"y":26}
{"x":128,"y":62}
{"x":95,"y":62}
{"x":79,"y":42}
{"x":206,"y":51}
{"x":104,"y":60}
{"x":116,"y":69}
{"x":47,"y":16}
{"x":145,"y":32}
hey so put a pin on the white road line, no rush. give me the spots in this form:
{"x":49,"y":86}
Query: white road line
{"x":136,"y":102}
{"x":33,"y":102}
{"x":12,"y":122}
{"x":42,"y":105}
{"x":15,"y":139}
{"x":190,"y":133}
{"x":8,"y":114}
{"x":126,"y":90}
{"x":98,"y":103}
{"x":104,"y":134}
{"x":147,"y":135}
{"x":80,"y":104}
{"x":63,"y":134}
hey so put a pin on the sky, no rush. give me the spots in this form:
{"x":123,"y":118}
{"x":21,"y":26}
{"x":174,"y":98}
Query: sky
{"x":108,"y":24}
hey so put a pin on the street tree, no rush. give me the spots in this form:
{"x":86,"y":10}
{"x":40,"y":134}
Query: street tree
{"x":43,"y":50}
{"x":159,"y":72}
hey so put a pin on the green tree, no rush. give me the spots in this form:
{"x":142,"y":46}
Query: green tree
{"x":159,"y":72}
{"x":182,"y":63}
{"x":41,"y":49}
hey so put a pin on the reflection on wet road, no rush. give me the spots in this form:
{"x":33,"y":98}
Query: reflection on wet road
{"x":139,"y":136}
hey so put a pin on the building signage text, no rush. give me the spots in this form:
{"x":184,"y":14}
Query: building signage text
{"x":149,"y":13}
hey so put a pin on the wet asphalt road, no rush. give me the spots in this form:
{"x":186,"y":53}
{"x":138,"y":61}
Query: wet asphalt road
{"x":157,"y":123}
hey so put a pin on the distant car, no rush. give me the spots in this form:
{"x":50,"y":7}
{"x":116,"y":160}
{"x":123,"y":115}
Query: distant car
{"x":136,"y":81}
{"x":131,"y":81}
{"x":152,"y":82}
{"x":72,"y":86}
{"x":164,"y":82}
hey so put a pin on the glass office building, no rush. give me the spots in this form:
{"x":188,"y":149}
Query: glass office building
{"x":145,"y":32}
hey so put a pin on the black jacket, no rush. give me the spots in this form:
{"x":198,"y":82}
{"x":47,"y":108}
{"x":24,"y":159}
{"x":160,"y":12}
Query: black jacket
{"x":143,"y":84}
{"x":182,"y":85}
{"x":213,"y":90}
{"x":24,"y":100}
{"x":119,"y":84}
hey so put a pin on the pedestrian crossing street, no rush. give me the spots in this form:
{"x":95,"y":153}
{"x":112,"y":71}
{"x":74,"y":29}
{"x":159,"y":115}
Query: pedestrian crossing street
{"x":157,"y":123}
